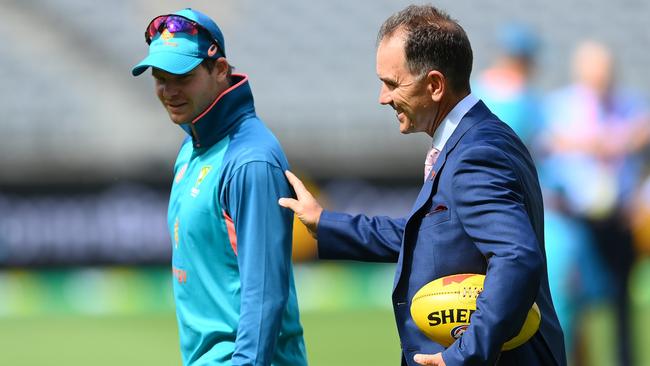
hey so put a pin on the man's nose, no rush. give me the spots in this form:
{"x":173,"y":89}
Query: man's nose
{"x":384,"y":95}
{"x":170,"y":90}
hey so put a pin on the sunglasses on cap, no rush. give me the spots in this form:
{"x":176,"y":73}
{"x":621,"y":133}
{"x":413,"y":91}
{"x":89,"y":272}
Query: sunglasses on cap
{"x":175,"y":24}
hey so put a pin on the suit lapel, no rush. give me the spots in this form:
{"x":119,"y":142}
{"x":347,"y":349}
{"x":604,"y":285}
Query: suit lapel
{"x":477,"y":113}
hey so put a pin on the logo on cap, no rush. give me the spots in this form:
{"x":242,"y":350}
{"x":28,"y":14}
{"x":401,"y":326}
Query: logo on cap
{"x":166,"y":35}
{"x":212,"y":50}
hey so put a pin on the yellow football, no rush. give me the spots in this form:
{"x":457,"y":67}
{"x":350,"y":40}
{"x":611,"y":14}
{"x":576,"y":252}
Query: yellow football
{"x":442,"y":310}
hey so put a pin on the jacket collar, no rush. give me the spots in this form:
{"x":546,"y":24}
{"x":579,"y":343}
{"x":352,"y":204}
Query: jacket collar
{"x":223,"y":115}
{"x":451,"y":121}
{"x":477,"y":113}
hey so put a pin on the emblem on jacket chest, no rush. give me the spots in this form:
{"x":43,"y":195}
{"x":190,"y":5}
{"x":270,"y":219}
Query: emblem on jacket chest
{"x":202,"y":174}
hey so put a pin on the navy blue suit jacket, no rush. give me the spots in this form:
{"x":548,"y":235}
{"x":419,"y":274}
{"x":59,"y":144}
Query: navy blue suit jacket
{"x":479,"y":212}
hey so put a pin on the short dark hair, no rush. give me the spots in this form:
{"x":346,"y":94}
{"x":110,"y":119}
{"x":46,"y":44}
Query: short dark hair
{"x":434,"y":41}
{"x":210,"y":64}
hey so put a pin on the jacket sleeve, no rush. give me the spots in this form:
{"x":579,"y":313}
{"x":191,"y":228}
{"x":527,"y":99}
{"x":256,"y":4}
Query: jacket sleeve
{"x":490,"y":203}
{"x":264,"y":232}
{"x":362,"y":238}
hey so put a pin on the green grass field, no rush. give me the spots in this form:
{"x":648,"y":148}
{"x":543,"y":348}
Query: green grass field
{"x":333,"y":338}
{"x":45,"y":318}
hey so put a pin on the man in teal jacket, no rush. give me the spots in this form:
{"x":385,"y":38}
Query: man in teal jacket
{"x":234,"y":290}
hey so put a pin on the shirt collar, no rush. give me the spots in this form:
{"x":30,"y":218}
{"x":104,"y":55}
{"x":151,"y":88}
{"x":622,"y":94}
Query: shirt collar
{"x":451,"y":121}
{"x":223,"y":115}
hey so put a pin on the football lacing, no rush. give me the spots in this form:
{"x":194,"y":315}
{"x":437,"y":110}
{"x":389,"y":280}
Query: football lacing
{"x":471,"y":292}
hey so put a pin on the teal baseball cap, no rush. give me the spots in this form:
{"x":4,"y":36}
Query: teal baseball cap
{"x":519,"y":40}
{"x":179,"y":42}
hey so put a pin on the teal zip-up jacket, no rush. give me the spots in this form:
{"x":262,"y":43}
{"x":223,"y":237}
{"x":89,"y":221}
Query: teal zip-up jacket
{"x":233,"y":280}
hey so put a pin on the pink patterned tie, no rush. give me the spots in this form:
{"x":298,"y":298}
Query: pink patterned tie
{"x":432,"y":156}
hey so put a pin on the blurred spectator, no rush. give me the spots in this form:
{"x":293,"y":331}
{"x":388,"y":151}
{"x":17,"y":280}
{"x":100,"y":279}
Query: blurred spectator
{"x":595,"y":131}
{"x":575,"y":270}
{"x":506,"y":86}
{"x":588,"y":169}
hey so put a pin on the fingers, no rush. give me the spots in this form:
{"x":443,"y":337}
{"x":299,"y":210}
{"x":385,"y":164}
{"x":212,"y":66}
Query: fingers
{"x":431,"y":360}
{"x":422,"y":360}
{"x":292,"y":177}
{"x":301,"y":193}
{"x":297,"y":185}
{"x":288,"y":203}
{"x":306,"y":207}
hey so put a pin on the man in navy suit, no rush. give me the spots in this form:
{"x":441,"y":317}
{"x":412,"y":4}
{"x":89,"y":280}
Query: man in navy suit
{"x":479,"y":211}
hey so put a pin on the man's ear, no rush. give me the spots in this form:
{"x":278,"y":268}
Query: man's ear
{"x":221,"y":67}
{"x":437,"y":85}
{"x":220,"y":70}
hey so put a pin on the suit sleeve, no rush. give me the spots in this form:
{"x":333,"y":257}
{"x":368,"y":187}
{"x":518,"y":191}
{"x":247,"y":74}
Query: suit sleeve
{"x":264,"y":232}
{"x":362,"y":238}
{"x":490,"y":203}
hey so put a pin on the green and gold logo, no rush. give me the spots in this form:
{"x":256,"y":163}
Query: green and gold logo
{"x":202,"y":174}
{"x":166,"y":35}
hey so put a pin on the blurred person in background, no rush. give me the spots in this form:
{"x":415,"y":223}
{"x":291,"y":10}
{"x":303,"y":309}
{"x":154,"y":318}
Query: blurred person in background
{"x":234,"y":290}
{"x":479,"y":210}
{"x":507,"y":86}
{"x":592,"y":144}
{"x":575,"y":270}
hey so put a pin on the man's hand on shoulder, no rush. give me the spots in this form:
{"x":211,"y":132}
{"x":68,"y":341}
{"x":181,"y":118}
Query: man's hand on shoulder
{"x":305,"y":206}
{"x":431,"y":360}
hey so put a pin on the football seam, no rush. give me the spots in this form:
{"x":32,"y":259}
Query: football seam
{"x":439,"y":293}
{"x":435,"y":294}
